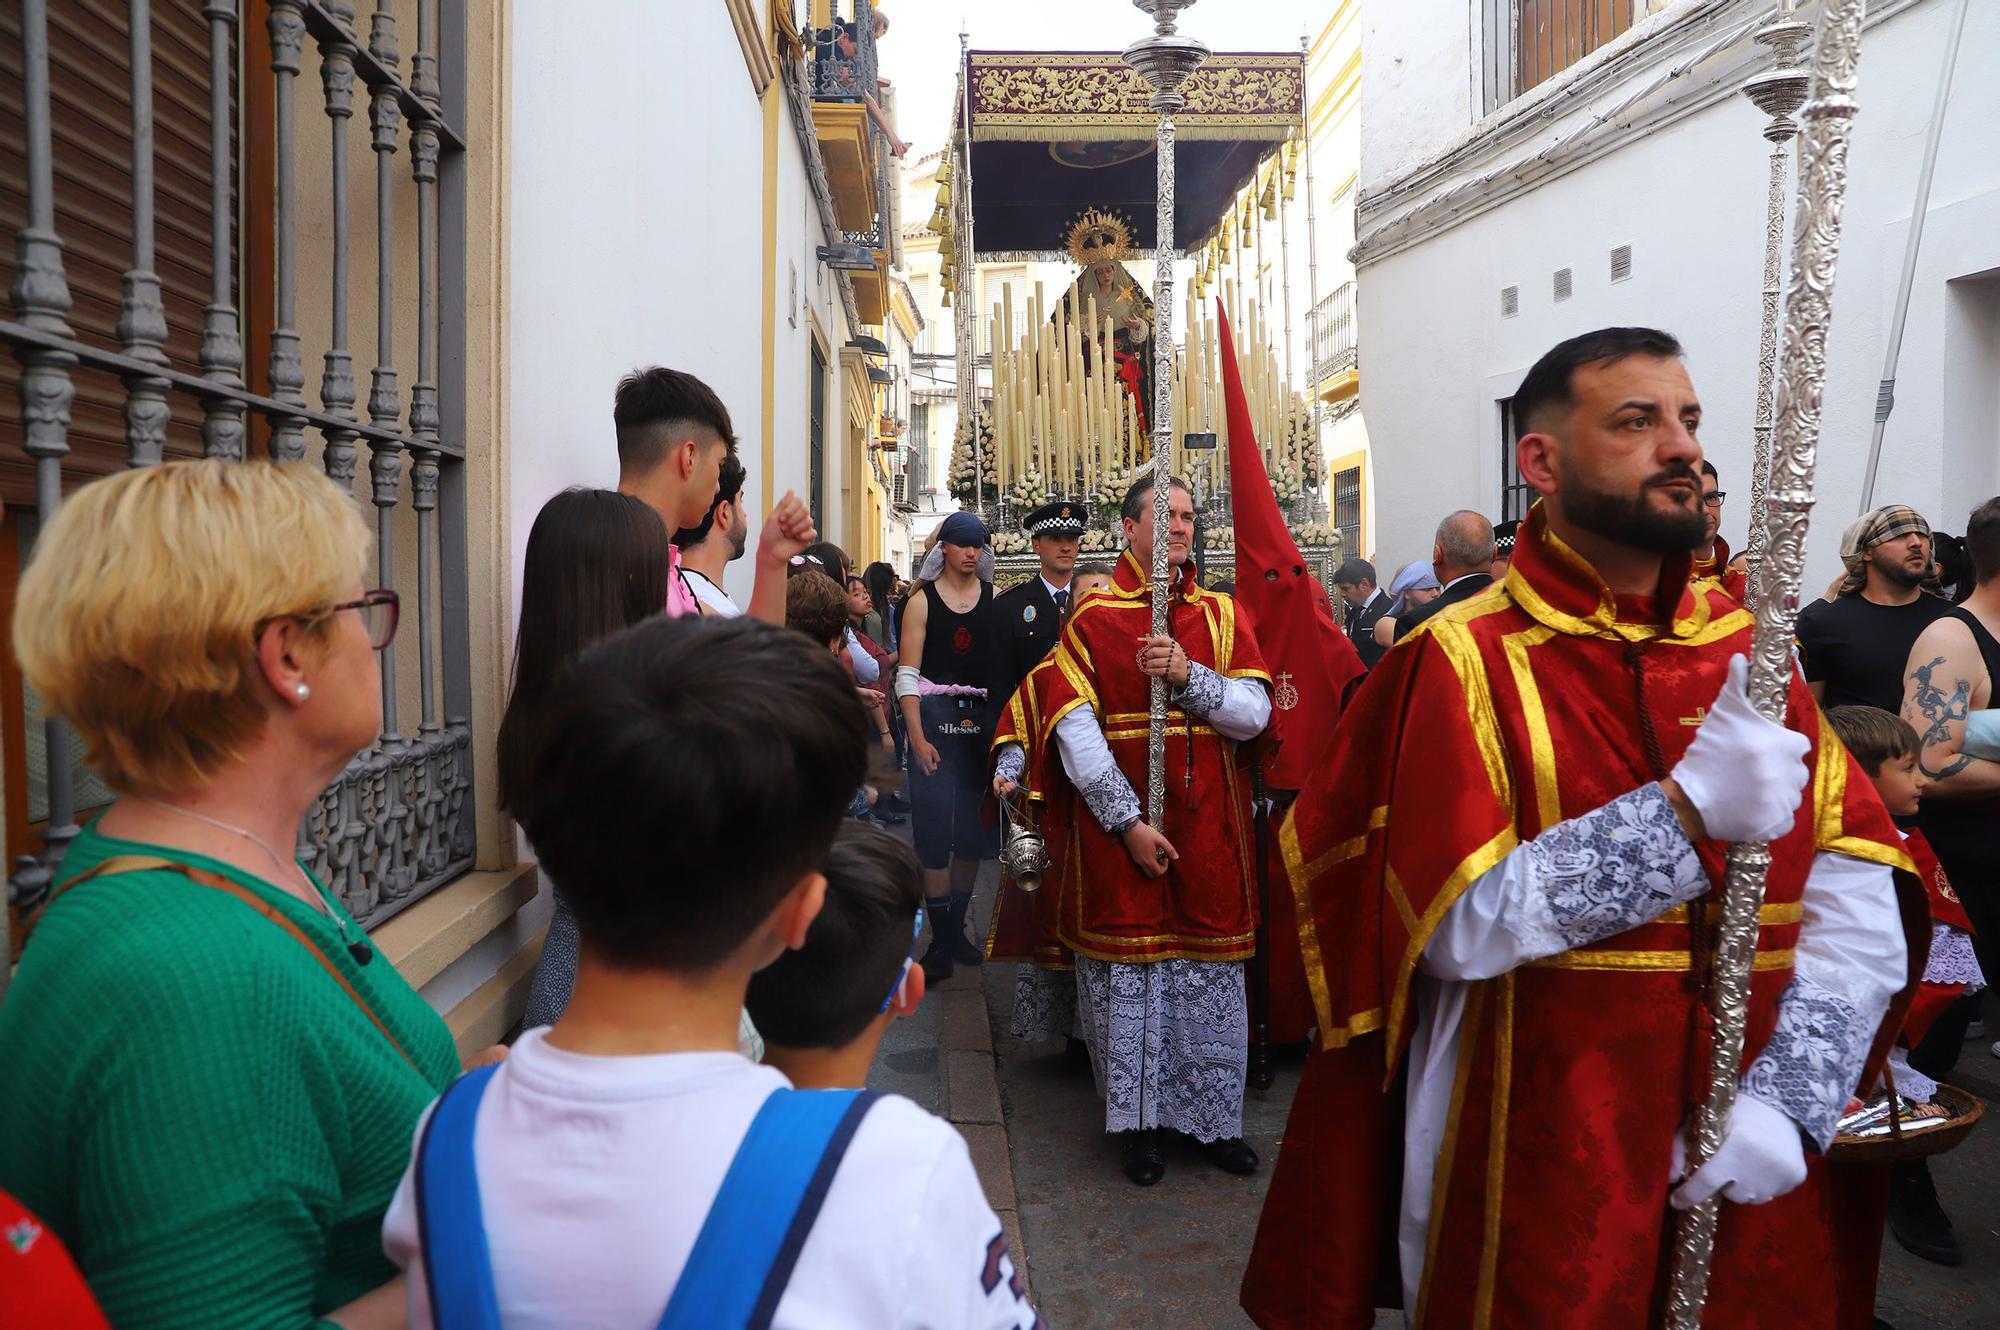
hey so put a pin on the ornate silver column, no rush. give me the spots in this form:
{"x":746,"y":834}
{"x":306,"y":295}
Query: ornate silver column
{"x":1778,"y":92}
{"x":1788,"y":507}
{"x":1164,"y":60}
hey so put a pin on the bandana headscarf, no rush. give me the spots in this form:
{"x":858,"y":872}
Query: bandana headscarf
{"x":1418,"y":576}
{"x":1867,"y":531}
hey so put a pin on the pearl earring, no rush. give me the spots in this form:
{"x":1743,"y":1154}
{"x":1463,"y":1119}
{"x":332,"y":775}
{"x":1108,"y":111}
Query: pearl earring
{"x":303,"y":692}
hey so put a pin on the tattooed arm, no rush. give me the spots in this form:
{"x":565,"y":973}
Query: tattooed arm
{"x":1944,"y":682}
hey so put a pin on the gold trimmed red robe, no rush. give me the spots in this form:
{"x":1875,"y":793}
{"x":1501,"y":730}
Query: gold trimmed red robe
{"x":1504,"y":715}
{"x":1024,"y":923}
{"x":1205,"y":908}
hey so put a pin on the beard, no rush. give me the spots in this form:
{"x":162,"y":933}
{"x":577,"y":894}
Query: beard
{"x":1629,"y":519}
{"x":1901,"y":574}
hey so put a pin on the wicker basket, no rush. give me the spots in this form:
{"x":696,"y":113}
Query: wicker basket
{"x":1966,"y":1110}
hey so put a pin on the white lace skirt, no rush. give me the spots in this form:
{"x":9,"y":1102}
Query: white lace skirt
{"x":1169,"y":1043}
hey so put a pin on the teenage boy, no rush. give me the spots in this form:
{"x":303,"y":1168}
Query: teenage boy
{"x":824,"y":1007}
{"x":673,"y":436}
{"x":692,"y":777}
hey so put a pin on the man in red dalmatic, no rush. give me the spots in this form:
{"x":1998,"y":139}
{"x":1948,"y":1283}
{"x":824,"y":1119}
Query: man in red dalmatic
{"x":1712,"y":557}
{"x":1508,"y":881}
{"x":1160,"y":919}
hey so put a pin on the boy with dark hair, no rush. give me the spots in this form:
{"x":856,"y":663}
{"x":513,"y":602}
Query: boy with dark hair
{"x":694,"y":774}
{"x":824,"y":1007}
{"x":1887,"y":747}
{"x":673,"y":436}
{"x":708,"y":548}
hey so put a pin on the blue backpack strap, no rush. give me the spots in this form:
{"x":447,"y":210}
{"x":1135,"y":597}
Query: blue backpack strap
{"x":744,"y":1255}
{"x":458,"y":1267}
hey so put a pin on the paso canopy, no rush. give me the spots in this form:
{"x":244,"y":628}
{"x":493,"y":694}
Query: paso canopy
{"x":1056,"y":132}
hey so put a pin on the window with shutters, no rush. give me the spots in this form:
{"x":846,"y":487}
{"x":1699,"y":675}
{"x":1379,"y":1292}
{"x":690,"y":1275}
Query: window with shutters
{"x":1347,"y":510}
{"x":1529,"y":42}
{"x":303,"y":164}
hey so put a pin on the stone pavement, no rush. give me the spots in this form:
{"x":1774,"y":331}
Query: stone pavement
{"x":1101,"y":1254}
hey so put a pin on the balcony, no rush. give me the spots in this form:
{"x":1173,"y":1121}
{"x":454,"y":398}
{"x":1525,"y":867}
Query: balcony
{"x":1336,"y":362}
{"x":843,"y":80}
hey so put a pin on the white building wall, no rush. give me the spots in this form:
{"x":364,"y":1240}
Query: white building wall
{"x":638,"y":239}
{"x":1688,"y":197}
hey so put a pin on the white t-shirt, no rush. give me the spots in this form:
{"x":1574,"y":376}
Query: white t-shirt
{"x":711,"y":595}
{"x":595,"y":1174}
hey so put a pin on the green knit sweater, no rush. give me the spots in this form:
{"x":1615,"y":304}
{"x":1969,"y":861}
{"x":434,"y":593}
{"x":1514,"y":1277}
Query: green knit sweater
{"x":196,"y":1108}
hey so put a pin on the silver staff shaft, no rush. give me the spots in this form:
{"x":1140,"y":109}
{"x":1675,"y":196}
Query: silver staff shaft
{"x":1778,"y":92}
{"x":1164,"y":60}
{"x":1794,"y":454}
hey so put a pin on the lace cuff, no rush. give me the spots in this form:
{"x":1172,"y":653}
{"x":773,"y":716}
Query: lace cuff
{"x":1615,"y":868}
{"x":1013,"y":760}
{"x":1809,"y":1068}
{"x":1110,"y":799}
{"x":1203,"y":692}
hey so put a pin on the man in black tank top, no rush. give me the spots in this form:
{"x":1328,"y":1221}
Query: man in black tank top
{"x":947,"y":686}
{"x":1953,"y":672}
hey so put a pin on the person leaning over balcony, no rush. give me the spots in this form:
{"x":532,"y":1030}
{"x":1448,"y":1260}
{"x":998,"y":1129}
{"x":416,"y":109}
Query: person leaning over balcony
{"x":211,"y":1079}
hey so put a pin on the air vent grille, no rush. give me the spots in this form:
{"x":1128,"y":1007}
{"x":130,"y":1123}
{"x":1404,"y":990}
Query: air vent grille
{"x":1562,"y":284}
{"x":1510,"y":301}
{"x":1621,"y":263}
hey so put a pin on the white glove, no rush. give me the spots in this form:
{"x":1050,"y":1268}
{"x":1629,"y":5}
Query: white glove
{"x":1743,"y":774}
{"x":1762,"y":1157}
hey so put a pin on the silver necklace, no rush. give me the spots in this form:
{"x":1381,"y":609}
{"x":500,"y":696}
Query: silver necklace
{"x":358,"y":948}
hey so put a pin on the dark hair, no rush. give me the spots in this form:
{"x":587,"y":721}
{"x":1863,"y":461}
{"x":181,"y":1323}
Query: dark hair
{"x":825,"y":994}
{"x":1873,"y":735}
{"x":729,"y":485}
{"x":1091,"y":570}
{"x":880,"y":579}
{"x":657,"y":408}
{"x":1134,"y":506}
{"x":1353,"y":572}
{"x":1982,"y":541}
{"x":596,"y":563}
{"x":1548,"y":385}
{"x":1708,"y":469}
{"x":816,"y":606}
{"x":833,"y":560}
{"x":690,"y":773}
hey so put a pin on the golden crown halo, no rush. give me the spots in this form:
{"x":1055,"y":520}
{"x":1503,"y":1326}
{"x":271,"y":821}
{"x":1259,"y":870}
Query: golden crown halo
{"x":1099,"y":237}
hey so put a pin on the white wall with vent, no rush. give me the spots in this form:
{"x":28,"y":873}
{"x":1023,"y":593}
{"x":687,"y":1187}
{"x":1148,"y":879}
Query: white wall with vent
{"x":1685,"y":201}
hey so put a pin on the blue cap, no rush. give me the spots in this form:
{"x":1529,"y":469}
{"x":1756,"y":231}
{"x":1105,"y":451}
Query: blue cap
{"x":963,"y":528}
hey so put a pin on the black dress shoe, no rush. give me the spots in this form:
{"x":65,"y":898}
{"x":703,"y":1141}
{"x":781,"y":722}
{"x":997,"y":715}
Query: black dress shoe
{"x":1144,"y":1163}
{"x":1231,"y":1156}
{"x":1916,"y":1218}
{"x":937,"y":963}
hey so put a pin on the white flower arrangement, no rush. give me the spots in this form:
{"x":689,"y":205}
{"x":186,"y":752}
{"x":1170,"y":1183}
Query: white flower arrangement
{"x":962,"y":487}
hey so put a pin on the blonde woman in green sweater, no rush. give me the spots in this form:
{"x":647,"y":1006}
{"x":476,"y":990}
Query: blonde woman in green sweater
{"x":196,"y":1103}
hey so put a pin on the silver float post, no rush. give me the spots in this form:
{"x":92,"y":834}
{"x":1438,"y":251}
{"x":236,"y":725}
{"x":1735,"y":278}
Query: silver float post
{"x":1164,"y":60}
{"x":1778,"y":92}
{"x":1788,"y":508}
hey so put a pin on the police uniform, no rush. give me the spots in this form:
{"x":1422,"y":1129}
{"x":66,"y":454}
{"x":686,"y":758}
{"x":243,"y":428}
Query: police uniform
{"x":1032,"y":618}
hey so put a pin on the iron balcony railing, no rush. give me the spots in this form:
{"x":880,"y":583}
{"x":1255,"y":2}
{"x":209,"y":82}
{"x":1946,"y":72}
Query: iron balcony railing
{"x":399,"y":820}
{"x":839,"y":75}
{"x":1334,"y":344}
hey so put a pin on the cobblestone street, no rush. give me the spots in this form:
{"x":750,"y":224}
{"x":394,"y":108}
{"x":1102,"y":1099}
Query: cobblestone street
{"x":1102,"y":1254}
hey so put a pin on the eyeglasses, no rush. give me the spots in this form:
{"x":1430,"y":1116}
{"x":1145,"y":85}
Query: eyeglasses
{"x":903,"y":975}
{"x":380,"y":611}
{"x":1715,"y":500}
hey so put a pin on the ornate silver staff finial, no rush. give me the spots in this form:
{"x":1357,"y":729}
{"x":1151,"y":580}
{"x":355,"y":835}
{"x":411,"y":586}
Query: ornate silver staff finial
{"x":1778,"y":92}
{"x":1164,"y":60}
{"x":1787,"y":509}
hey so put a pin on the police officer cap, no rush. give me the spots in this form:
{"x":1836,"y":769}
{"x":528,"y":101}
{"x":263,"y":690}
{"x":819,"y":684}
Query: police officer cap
{"x":1062,"y":517}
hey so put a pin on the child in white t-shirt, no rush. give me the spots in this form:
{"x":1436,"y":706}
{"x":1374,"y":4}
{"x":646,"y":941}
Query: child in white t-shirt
{"x":689,"y":781}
